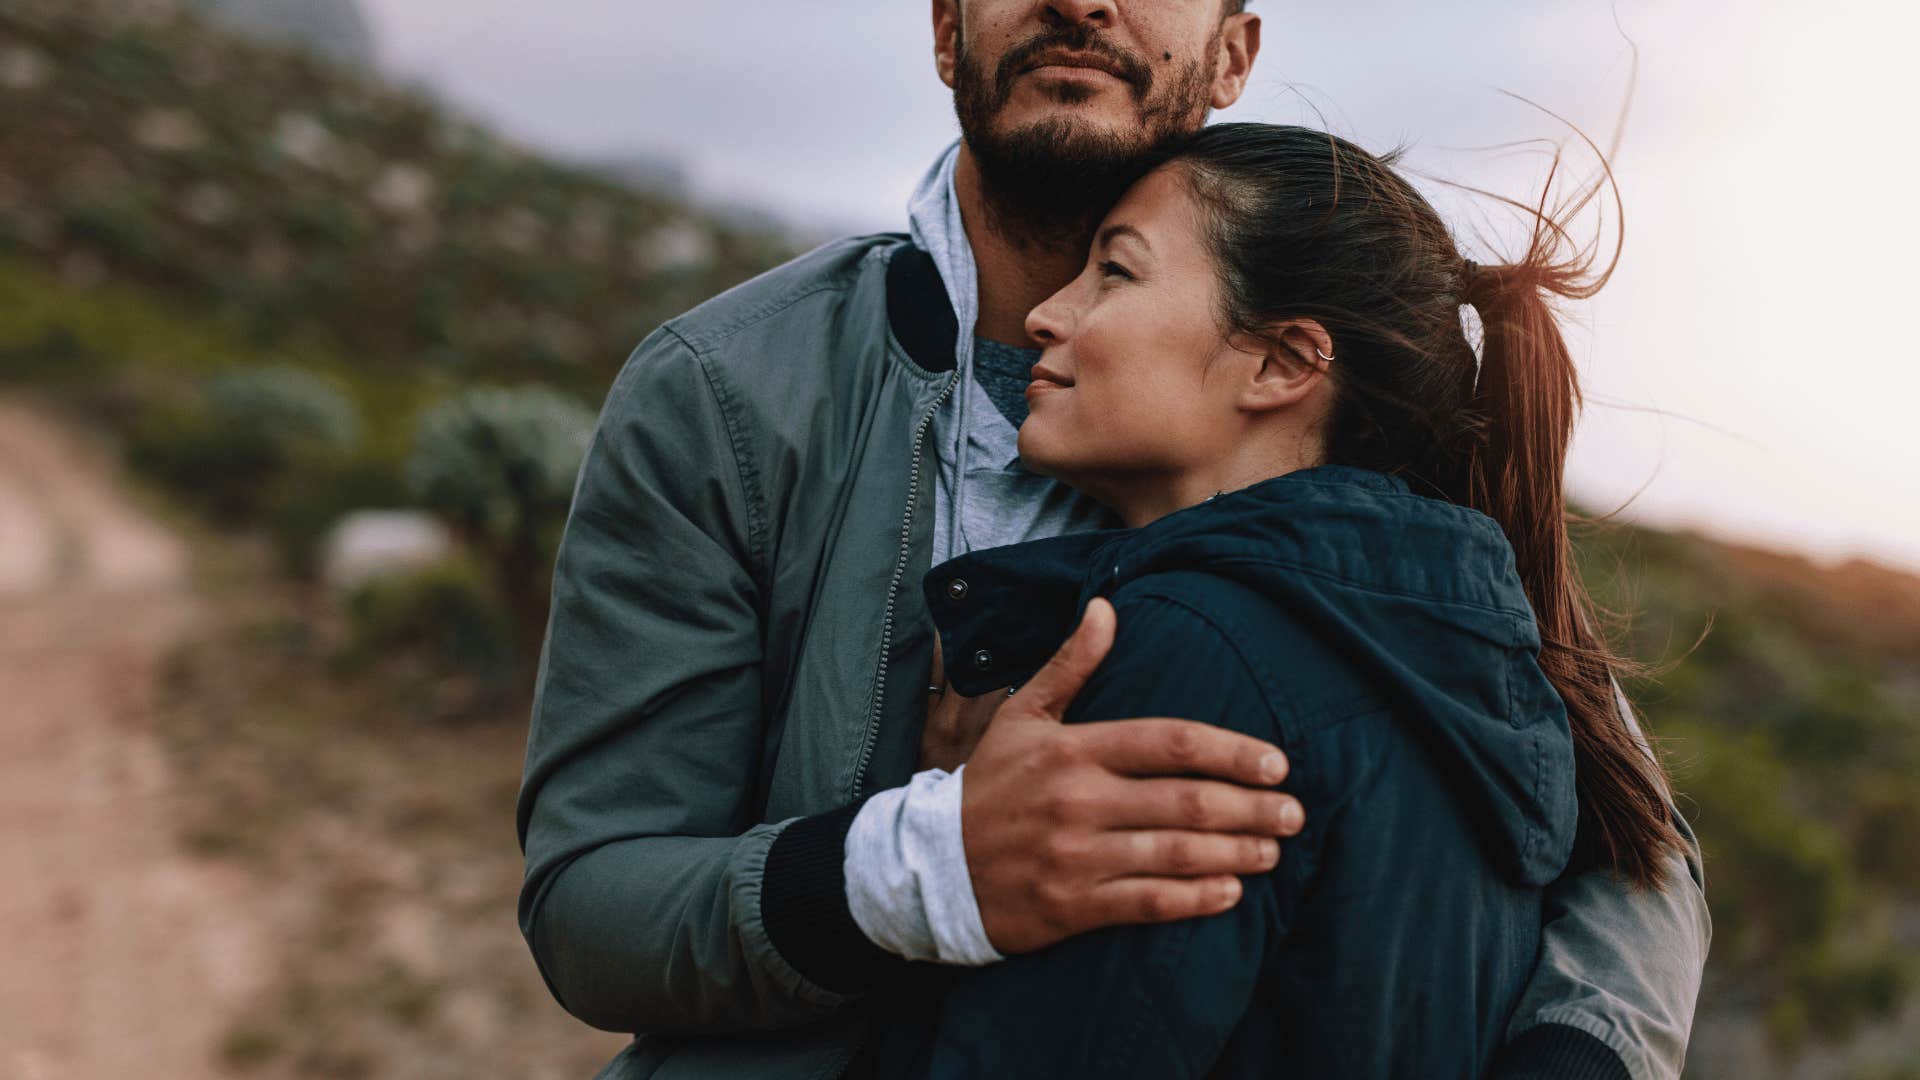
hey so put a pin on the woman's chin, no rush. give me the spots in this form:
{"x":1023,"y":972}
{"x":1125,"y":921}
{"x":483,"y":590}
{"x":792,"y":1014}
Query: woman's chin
{"x":1034,"y":451}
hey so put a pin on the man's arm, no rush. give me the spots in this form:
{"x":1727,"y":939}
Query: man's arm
{"x":646,"y":875}
{"x":1613,"y":995}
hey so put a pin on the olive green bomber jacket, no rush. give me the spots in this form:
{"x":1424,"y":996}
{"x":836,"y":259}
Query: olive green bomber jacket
{"x":734,"y":662}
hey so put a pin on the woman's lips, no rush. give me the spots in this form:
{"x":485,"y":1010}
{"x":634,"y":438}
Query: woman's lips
{"x":1041,"y":386}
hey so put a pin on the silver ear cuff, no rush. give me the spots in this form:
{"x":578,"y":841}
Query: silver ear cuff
{"x":1321,"y":355}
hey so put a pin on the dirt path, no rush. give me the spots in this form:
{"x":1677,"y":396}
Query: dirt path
{"x":123,"y":954}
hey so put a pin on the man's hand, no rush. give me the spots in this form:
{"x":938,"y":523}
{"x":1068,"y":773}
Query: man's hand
{"x":1071,"y":827}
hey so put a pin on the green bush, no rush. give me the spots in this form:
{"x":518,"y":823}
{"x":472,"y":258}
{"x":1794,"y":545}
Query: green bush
{"x":246,"y":444}
{"x":448,"y":615}
{"x":500,"y":464}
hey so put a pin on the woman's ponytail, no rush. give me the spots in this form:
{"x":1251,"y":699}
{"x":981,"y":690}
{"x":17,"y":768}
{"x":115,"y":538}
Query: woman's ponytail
{"x":1525,"y":399}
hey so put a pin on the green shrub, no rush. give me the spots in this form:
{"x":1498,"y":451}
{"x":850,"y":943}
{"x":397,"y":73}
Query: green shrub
{"x":448,"y":615}
{"x":500,"y":464}
{"x":247,"y":443}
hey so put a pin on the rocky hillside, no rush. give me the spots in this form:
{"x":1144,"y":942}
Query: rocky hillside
{"x":309,"y":208}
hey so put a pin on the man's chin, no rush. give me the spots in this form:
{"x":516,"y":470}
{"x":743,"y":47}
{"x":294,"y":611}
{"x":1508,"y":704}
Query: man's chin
{"x":1072,"y":138}
{"x":1087,"y":123}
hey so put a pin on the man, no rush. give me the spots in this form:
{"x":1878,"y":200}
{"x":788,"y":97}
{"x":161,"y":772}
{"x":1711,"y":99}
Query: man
{"x":728,"y":847}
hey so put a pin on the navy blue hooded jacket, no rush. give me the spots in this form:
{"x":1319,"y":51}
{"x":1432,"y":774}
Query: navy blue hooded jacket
{"x":1383,"y":640}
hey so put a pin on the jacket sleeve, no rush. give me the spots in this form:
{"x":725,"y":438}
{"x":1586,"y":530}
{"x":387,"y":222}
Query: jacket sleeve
{"x":652,"y":900}
{"x":1619,"y":974}
{"x":1148,"y":1000}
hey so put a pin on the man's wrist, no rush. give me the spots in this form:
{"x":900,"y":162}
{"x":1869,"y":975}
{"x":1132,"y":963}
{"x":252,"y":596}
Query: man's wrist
{"x":1558,"y":1052}
{"x":803,"y":904}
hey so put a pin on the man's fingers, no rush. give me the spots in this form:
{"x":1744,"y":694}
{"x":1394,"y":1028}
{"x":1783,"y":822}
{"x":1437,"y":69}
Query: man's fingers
{"x":1196,"y":805}
{"x":1179,"y":853}
{"x":1166,"y":747}
{"x":1053,"y":687}
{"x":1156,"y":900}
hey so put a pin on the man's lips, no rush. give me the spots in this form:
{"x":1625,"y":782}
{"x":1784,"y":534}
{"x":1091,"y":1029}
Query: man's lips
{"x":1076,"y":61}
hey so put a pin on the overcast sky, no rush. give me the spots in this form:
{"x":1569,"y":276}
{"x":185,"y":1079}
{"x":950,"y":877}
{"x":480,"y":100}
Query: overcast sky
{"x":1751,"y":366}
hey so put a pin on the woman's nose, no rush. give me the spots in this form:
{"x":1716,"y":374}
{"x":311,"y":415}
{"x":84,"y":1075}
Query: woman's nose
{"x":1048,"y":323}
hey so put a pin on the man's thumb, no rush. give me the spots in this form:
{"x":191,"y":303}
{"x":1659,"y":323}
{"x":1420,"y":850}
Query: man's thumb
{"x":1053,"y":687}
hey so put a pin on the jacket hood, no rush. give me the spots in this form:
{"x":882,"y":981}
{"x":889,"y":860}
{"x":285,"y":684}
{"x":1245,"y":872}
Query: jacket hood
{"x":1421,"y":594}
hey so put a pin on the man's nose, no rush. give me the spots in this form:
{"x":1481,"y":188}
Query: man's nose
{"x":1098,"y":13}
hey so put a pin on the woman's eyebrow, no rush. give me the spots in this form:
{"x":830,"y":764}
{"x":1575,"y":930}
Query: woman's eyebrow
{"x":1113,"y":232}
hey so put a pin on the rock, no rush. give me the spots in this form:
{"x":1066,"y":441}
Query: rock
{"x":304,"y":139}
{"x":370,"y":544}
{"x":402,"y":190}
{"x":207,"y":203}
{"x":24,"y":68}
{"x":168,"y":130}
{"x":519,"y":230}
{"x":676,"y":245}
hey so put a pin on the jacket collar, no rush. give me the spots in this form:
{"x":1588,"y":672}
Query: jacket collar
{"x":918,"y":311}
{"x":1002,"y":611}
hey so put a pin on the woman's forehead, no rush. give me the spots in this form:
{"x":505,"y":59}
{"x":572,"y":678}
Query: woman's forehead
{"x":1160,"y":212}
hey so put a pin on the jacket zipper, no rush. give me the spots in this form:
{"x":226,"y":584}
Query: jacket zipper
{"x":893,"y":590}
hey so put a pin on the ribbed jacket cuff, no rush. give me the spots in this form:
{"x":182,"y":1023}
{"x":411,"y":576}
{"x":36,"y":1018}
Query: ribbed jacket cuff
{"x":803,"y":902}
{"x":1558,"y":1052}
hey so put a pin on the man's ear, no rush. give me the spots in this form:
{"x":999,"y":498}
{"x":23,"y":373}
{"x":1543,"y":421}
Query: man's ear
{"x":946,"y":38}
{"x":1293,"y":363}
{"x":1239,"y":47}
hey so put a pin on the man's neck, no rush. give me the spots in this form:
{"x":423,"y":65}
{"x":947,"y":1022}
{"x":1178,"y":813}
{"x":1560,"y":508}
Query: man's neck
{"x":1015,"y":273}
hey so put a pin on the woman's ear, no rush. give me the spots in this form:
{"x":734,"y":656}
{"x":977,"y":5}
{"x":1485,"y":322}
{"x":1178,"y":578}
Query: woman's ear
{"x":1293,"y":361}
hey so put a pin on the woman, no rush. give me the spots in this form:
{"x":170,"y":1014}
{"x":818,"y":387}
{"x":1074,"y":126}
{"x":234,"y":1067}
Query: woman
{"x":1346,"y":534}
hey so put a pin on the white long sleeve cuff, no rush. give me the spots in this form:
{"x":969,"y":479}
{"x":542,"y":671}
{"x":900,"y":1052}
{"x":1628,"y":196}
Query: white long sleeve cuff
{"x":907,"y":881}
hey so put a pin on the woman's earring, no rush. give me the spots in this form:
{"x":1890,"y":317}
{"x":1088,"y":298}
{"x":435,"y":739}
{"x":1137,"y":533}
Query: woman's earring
{"x":1321,"y":355}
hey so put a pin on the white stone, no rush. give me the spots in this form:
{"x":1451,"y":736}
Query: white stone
{"x":370,"y":544}
{"x":207,"y":203}
{"x":304,"y":139}
{"x":24,"y":68}
{"x":519,"y":230}
{"x":402,"y":189}
{"x":168,"y":130}
{"x":676,"y":245}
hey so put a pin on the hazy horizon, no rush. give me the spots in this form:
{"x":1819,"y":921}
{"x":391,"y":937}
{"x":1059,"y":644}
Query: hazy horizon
{"x":1735,"y":365}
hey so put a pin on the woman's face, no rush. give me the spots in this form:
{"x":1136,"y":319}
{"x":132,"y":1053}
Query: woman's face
{"x":1138,"y":384}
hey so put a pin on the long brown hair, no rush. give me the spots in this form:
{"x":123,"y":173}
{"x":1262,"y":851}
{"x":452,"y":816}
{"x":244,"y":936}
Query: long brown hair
{"x":1303,"y":224}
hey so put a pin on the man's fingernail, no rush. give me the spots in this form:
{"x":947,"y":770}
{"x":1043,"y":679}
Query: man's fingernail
{"x":1291,"y":816}
{"x":1273,"y":767}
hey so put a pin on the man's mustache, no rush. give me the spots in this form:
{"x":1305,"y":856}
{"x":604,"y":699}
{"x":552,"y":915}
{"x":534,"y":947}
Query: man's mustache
{"x":1132,"y":70}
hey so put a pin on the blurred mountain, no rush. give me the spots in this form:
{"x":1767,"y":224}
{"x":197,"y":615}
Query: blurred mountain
{"x":336,"y":29}
{"x":648,"y":172}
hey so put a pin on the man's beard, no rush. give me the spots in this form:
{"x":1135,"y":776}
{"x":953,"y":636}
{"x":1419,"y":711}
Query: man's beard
{"x":1051,"y":182}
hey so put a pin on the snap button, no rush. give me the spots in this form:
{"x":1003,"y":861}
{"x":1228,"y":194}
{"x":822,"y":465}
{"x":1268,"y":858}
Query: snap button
{"x":983,"y":659}
{"x":956,"y":589}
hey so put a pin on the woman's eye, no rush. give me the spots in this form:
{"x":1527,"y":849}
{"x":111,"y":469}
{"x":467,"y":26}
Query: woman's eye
{"x":1114,"y":269}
